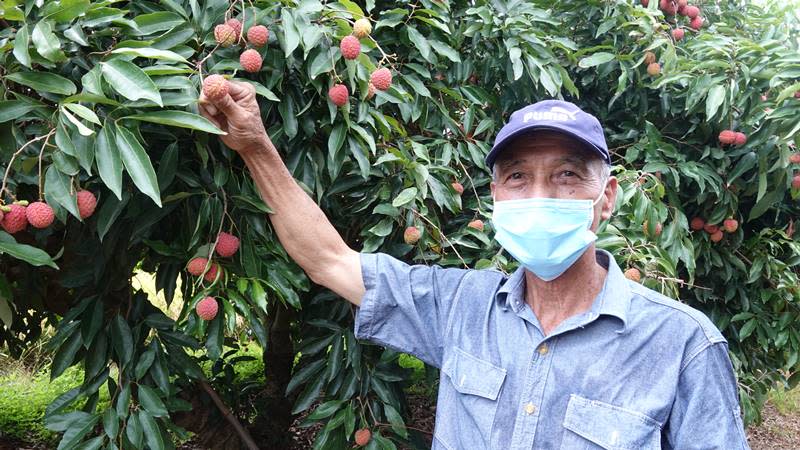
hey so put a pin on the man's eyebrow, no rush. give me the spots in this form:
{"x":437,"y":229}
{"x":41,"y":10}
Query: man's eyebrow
{"x":505,"y":164}
{"x":573,"y":160}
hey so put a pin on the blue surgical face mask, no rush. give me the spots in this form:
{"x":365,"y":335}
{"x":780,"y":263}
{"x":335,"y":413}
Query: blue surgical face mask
{"x":546,"y":235}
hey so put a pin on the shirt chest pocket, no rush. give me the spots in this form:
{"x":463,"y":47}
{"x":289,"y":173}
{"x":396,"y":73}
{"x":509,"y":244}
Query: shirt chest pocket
{"x":591,"y":424}
{"x":472,"y":393}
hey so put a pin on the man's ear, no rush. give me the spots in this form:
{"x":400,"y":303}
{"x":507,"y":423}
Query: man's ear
{"x":610,"y":198}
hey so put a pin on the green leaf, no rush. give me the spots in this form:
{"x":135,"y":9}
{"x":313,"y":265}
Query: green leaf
{"x":396,"y":420}
{"x":109,"y":163}
{"x":77,"y":430}
{"x":596,"y":59}
{"x":445,"y":50}
{"x":747,"y":329}
{"x":111,"y":422}
{"x":420,"y":42}
{"x":716,"y":95}
{"x":84,"y":112}
{"x":326,"y":409}
{"x":152,"y":53}
{"x":181,"y":119}
{"x":291,"y":37}
{"x":57,"y":189}
{"x":65,"y":10}
{"x":22,"y":40}
{"x":138,"y":164}
{"x":47,"y":43}
{"x":14,"y":109}
{"x":406,"y":196}
{"x":82,"y":129}
{"x":130,"y":81}
{"x":157,"y":21}
{"x":151,"y":402}
{"x":66,"y":354}
{"x":5,"y":311}
{"x":122,"y":340}
{"x":43,"y":81}
{"x":152,"y":432}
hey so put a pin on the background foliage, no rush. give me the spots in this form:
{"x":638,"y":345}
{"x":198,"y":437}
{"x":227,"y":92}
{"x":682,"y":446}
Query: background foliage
{"x":102,"y":96}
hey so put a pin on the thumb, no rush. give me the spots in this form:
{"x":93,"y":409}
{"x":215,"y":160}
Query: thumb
{"x":229,"y":107}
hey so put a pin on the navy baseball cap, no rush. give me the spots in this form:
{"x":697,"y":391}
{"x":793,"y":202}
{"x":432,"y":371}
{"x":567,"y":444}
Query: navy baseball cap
{"x":554,"y":115}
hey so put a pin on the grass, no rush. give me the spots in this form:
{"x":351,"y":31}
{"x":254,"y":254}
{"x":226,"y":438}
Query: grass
{"x":786,"y":402}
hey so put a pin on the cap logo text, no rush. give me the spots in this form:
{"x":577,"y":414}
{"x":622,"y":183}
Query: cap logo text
{"x":556,"y":113}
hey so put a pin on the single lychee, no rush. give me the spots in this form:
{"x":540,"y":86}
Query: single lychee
{"x":697,"y":224}
{"x":658,"y":230}
{"x":363,"y":437}
{"x":225,"y":35}
{"x":645,"y":3}
{"x":795,"y":184}
{"x":362,"y":28}
{"x":87,"y":202}
{"x":350,"y":47}
{"x":196,"y":266}
{"x":730,"y":225}
{"x":338,"y":94}
{"x":40,"y":214}
{"x":258,"y":35}
{"x":15,"y":220}
{"x":207,"y":308}
{"x":794,"y":158}
{"x":764,"y":97}
{"x":476,"y":224}
{"x":411,"y":235}
{"x":458,"y":187}
{"x":716,"y":237}
{"x":740,"y":139}
{"x":797,"y":94}
{"x":710,"y":228}
{"x":215,"y":87}
{"x":669,"y":7}
{"x":678,"y":34}
{"x":211,"y":275}
{"x":727,"y":137}
{"x":236,"y":26}
{"x":683,"y":3}
{"x":696,"y":23}
{"x":381,"y":78}
{"x":370,"y":90}
{"x":227,"y":244}
{"x":654,"y":69}
{"x":692,"y":12}
{"x":633,"y":274}
{"x":649,"y":58}
{"x":250,"y":60}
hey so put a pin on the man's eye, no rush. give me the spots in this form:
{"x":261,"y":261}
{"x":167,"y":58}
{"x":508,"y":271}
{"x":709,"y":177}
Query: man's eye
{"x":515,"y":176}
{"x":568,"y":173}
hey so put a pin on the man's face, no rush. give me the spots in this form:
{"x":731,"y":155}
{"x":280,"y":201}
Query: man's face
{"x":551,"y":165}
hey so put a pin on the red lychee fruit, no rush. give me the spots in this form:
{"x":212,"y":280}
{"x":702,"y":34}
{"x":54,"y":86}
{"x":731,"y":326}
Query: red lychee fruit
{"x":740,"y":139}
{"x":795,"y":184}
{"x":207,"y":308}
{"x":710,"y":228}
{"x":258,"y":35}
{"x":678,"y":34}
{"x":797,"y":94}
{"x":411,"y":235}
{"x":683,"y":3}
{"x":646,"y":227}
{"x":196,"y":266}
{"x":338,"y":94}
{"x":458,"y":187}
{"x":362,"y":28}
{"x":645,"y":3}
{"x":633,"y":274}
{"x":730,"y":225}
{"x":668,"y":6}
{"x":211,"y":275}
{"x":692,"y":11}
{"x":716,"y":237}
{"x":381,"y":78}
{"x":476,"y":224}
{"x":87,"y":202}
{"x":225,"y":35}
{"x":227,"y":244}
{"x":654,"y":69}
{"x":727,"y":137}
{"x":794,"y":158}
{"x":696,"y":23}
{"x":215,"y":87}
{"x":363,"y":437}
{"x":250,"y":60}
{"x":697,"y":224}
{"x":649,"y":58}
{"x":236,"y":26}
{"x":350,"y":47}
{"x":40,"y":214}
{"x":15,"y":220}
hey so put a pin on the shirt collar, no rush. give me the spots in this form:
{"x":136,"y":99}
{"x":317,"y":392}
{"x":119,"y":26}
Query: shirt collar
{"x":614,"y":299}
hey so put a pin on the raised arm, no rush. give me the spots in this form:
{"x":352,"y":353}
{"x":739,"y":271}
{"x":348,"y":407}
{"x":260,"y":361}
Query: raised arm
{"x":304,"y":231}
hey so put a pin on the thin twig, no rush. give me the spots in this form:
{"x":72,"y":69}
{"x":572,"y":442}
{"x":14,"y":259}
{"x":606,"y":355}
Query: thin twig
{"x":471,"y":182}
{"x":441,"y":233}
{"x":11,"y":162}
{"x":226,"y":412}
{"x":41,"y":152}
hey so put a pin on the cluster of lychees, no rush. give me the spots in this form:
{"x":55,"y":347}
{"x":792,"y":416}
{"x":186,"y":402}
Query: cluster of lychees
{"x":715,"y":231}
{"x":350,"y":46}
{"x":673,"y":8}
{"x":230,"y":33}
{"x":16,"y":216}
{"x":412,"y":234}
{"x":227,"y":246}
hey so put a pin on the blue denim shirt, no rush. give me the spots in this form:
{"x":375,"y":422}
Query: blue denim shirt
{"x":636,"y":371}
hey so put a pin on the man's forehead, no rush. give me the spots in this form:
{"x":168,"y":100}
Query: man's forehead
{"x":552,"y":148}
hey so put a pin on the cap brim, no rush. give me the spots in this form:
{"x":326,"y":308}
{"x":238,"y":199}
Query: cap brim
{"x":500,"y":146}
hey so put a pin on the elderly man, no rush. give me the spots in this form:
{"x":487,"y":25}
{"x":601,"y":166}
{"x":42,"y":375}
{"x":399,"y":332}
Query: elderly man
{"x":565,"y":353}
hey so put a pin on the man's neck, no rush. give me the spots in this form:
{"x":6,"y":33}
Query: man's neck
{"x":570,"y":294}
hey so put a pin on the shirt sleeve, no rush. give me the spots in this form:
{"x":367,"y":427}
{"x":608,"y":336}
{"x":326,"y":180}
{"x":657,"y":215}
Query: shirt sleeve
{"x":406,"y":307}
{"x":706,"y":411}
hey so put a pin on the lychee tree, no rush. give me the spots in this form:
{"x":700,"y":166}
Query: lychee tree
{"x":383,"y":112}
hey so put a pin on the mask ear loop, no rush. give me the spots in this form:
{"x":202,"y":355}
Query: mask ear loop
{"x":602,"y":191}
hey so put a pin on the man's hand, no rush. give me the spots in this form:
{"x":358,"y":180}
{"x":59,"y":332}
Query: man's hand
{"x":238,"y":115}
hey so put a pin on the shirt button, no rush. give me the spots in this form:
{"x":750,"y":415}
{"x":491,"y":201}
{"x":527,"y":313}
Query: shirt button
{"x":543,"y":349}
{"x":529,"y":408}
